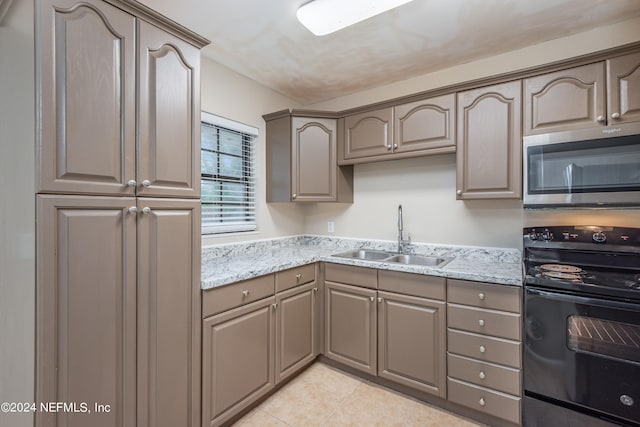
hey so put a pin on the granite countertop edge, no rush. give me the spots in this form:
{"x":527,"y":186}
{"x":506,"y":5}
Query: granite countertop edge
{"x":274,"y":255}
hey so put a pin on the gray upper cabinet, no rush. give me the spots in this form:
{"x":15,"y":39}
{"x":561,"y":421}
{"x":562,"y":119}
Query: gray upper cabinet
{"x":302,"y":164}
{"x":623,"y":89}
{"x":89,"y":105}
{"x":169,"y":115}
{"x":87,"y":140}
{"x":368,"y":134}
{"x":565,"y":100}
{"x":489,"y":164}
{"x":426,"y":126}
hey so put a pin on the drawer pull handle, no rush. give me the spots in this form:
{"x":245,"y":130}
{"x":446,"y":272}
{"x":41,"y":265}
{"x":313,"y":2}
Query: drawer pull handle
{"x":482,"y":375}
{"x":481,"y":322}
{"x":245,"y":293}
{"x":298,"y":277}
{"x":481,"y":296}
{"x":481,"y":402}
{"x":483,"y":349}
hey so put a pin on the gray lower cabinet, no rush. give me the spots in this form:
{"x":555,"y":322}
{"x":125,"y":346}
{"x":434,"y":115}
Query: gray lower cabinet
{"x":484,"y":348}
{"x":255,"y":334}
{"x":350,"y":326}
{"x":118,"y":310}
{"x":238,"y":359}
{"x":399,"y":335}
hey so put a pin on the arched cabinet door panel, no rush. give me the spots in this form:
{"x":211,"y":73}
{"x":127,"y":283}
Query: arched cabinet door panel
{"x":87,"y":95}
{"x":368,"y":134}
{"x":623,"y":89}
{"x":565,"y":100}
{"x":169,"y":115}
{"x":427,"y":125}
{"x":489,"y":164}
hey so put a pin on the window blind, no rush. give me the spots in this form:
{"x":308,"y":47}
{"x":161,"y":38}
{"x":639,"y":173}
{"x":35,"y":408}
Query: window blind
{"x":228,"y":177}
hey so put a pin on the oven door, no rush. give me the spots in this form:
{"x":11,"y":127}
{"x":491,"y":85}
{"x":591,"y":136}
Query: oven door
{"x":583,"y":351}
{"x":583,"y":168}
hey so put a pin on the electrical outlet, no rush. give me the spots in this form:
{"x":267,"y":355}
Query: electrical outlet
{"x":330,"y":226}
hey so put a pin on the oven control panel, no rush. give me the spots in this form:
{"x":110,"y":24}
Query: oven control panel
{"x":583,"y":234}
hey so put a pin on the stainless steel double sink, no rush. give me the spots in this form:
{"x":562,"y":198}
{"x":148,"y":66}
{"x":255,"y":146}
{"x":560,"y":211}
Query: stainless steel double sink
{"x":393,"y":257}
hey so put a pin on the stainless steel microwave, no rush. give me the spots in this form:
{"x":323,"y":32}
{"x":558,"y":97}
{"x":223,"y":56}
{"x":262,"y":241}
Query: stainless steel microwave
{"x":586,"y":167}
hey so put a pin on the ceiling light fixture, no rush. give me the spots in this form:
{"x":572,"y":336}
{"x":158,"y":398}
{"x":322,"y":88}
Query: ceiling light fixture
{"x":323,"y":17}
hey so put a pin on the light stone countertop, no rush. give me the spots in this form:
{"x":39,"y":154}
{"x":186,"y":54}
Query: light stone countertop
{"x":229,"y":263}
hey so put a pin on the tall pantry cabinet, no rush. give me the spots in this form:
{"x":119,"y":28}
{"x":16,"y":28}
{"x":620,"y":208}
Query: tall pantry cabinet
{"x":118,"y":215}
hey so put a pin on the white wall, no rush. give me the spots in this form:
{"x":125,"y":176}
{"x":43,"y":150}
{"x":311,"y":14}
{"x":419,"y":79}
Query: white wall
{"x":17,"y":210}
{"x":228,"y":94}
{"x":426,"y":186}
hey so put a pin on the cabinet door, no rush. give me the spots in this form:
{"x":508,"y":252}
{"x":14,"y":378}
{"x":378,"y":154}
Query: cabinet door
{"x":489,"y":163}
{"x":86,"y":308}
{"x":565,"y":100}
{"x":426,"y":125}
{"x":169,"y":312}
{"x":368,"y":134}
{"x":623,"y":88}
{"x":313,"y":164}
{"x":411,"y":342}
{"x":296,"y":329}
{"x":169,"y":115}
{"x":238,"y":360}
{"x":87,"y":95}
{"x":350,"y":328}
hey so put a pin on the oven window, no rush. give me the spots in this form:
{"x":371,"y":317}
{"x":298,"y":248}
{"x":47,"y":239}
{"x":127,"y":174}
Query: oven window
{"x":611,"y":164}
{"x":604,"y":337}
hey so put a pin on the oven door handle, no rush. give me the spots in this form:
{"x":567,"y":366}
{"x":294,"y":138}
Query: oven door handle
{"x":590,"y":300}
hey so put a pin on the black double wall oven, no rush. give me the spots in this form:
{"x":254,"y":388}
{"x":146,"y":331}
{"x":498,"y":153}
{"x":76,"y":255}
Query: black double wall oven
{"x":582,"y":326}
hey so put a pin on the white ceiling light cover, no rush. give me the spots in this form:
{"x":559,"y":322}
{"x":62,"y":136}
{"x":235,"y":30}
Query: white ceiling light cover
{"x":323,"y":17}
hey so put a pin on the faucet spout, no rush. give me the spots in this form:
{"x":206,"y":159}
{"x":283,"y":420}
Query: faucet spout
{"x":401,"y":241}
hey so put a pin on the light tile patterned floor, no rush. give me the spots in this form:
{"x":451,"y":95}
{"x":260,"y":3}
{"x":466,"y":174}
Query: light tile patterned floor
{"x":324,"y":396}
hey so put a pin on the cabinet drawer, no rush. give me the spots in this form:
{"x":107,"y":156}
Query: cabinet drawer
{"x":226,"y":297}
{"x":351,"y":275}
{"x":482,"y":399}
{"x":485,"y":295}
{"x":484,"y":374}
{"x":484,"y":348}
{"x":412,"y":284}
{"x":295,"y":276}
{"x":496,"y":323}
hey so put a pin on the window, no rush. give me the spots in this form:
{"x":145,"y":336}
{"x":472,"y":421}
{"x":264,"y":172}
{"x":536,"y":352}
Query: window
{"x":228,"y":181}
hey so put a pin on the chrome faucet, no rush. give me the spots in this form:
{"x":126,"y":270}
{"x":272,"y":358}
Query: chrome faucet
{"x":401,"y":241}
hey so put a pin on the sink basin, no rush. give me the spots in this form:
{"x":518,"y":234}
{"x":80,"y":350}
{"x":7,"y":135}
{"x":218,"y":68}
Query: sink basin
{"x":429,"y":261}
{"x":365,"y":254}
{"x":393,"y":257}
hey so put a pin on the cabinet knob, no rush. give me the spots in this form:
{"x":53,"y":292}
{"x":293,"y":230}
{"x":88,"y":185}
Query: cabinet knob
{"x":146,"y":210}
{"x":388,"y":147}
{"x":481,"y":322}
{"x":600,"y":119}
{"x":483,"y":349}
{"x":131,"y":183}
{"x":395,"y":146}
{"x":315,"y":290}
{"x":481,"y":296}
{"x":298,"y":277}
{"x":615,"y":116}
{"x":132,"y":209}
{"x":274,"y":305}
{"x":146,"y":183}
{"x":481,"y":402}
{"x":245,"y":293}
{"x":482,"y":375}
{"x":294,"y":195}
{"x":379,"y":299}
{"x":459,"y":192}
{"x":371,"y":299}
